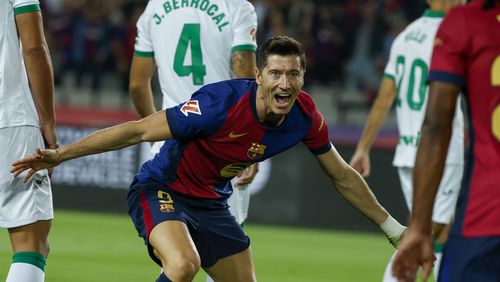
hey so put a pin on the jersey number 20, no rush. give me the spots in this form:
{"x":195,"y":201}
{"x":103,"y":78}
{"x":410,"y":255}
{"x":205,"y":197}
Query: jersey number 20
{"x":190,"y":34}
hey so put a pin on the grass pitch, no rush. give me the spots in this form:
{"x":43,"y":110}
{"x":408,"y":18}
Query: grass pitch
{"x":95,"y":247}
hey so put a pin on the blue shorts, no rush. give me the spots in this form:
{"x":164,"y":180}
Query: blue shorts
{"x":214,"y":231}
{"x":470,"y":259}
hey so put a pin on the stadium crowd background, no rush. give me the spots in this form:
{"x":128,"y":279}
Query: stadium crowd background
{"x":347,"y":43}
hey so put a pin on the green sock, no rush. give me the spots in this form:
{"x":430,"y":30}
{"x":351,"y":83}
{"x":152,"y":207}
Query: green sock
{"x":32,"y":258}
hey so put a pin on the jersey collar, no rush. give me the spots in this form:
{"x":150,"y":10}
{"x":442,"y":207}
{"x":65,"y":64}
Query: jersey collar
{"x":433,"y":14}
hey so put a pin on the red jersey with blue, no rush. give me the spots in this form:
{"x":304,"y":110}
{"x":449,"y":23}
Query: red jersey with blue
{"x":468,"y":54}
{"x":217,"y":134}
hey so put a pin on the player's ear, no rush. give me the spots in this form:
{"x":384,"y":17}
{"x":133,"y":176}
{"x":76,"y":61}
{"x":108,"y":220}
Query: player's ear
{"x":258,"y":75}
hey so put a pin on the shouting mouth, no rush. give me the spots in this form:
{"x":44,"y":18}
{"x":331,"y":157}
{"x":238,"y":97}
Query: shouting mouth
{"x":282,"y":99}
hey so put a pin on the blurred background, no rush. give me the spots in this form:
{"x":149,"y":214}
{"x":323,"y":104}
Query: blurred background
{"x":296,"y":220}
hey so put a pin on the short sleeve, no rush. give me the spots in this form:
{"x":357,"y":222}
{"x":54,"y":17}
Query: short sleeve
{"x":390,"y":67}
{"x":201,"y":116}
{"x":448,"y":56}
{"x":143,"y":43}
{"x":317,"y":139}
{"x":245,"y":28}
{"x":25,"y":6}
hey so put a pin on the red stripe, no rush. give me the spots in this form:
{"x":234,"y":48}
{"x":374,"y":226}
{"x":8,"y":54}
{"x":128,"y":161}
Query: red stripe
{"x":148,"y":219}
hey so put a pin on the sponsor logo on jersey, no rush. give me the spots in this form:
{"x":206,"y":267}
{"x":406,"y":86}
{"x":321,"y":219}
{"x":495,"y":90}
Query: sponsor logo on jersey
{"x":191,"y":107}
{"x":232,"y":170}
{"x":236,"y":135}
{"x":256,"y":151}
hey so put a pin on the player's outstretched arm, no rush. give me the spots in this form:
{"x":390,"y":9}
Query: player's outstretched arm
{"x":151,"y":128}
{"x":355,"y":191}
{"x":360,"y":161}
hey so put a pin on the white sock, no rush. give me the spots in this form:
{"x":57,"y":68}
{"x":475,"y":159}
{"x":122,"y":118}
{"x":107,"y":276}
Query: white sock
{"x":437,"y":264}
{"x":25,"y":272}
{"x":388,"y":277}
{"x":209,"y":279}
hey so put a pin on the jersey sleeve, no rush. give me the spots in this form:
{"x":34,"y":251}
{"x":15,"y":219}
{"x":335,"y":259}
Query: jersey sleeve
{"x":390,"y":67}
{"x":25,"y":6}
{"x":201,"y":116}
{"x":143,"y":44}
{"x":245,"y":28}
{"x":317,"y":139}
{"x":448,"y":56}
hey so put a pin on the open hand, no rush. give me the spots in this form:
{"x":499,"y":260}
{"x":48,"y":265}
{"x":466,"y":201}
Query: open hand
{"x":41,"y":159}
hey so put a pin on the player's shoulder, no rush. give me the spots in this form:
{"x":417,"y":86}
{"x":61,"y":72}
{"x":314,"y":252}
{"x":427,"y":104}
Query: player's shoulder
{"x":306,"y":103}
{"x":239,"y":6}
{"x":228,"y":89}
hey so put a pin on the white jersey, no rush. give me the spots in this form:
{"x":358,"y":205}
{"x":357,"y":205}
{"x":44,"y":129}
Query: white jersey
{"x":196,"y":38}
{"x":408,"y":66}
{"x":16,"y":103}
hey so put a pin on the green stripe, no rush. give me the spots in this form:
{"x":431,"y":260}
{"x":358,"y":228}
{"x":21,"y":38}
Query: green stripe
{"x":389,"y":76}
{"x":27,"y":9}
{"x":144,"y":54}
{"x":438,"y":247}
{"x":32,"y":258}
{"x":433,"y":14}
{"x":244,"y":48}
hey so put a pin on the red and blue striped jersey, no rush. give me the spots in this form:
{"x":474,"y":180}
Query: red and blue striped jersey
{"x":467,"y":53}
{"x":217,"y":134}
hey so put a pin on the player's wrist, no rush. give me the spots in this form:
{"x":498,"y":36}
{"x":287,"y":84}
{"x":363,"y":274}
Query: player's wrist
{"x":393,"y":230}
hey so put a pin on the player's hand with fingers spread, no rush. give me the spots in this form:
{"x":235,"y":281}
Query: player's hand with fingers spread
{"x":41,"y":159}
{"x":360,"y":161}
{"x":415,"y":250}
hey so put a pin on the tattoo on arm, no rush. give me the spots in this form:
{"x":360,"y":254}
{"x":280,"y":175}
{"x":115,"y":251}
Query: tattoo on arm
{"x":243,"y":63}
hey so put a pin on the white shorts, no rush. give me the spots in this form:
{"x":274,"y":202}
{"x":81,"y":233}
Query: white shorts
{"x":239,"y":201}
{"x":446,"y":196}
{"x":22,"y":203}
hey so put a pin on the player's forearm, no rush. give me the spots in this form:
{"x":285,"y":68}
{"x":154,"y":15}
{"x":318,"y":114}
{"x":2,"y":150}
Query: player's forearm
{"x":108,"y":139}
{"x":429,"y":165}
{"x":355,"y":191}
{"x":40,"y":75}
{"x":142,"y":97}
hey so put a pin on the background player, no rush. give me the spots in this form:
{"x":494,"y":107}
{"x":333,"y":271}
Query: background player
{"x":26,"y":120}
{"x":178,"y":200}
{"x":466,"y":56}
{"x":405,"y":82}
{"x":193,"y":45}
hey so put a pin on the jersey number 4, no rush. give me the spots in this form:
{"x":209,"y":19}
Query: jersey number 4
{"x":190,"y":36}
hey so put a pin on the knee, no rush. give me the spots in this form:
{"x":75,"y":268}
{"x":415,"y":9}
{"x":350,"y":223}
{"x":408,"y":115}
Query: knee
{"x":182,"y":269}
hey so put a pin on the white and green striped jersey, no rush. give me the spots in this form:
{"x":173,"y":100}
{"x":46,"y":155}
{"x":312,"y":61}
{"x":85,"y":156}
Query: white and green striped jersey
{"x":408,"y":66}
{"x":16,"y":103}
{"x":192,"y":40}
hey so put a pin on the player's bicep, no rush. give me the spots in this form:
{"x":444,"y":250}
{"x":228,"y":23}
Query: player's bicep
{"x":30,"y":28}
{"x":243,"y":63}
{"x":141,"y":70}
{"x":155,"y":127}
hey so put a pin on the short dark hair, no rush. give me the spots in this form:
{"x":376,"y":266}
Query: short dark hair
{"x":489,"y":4}
{"x":280,"y":45}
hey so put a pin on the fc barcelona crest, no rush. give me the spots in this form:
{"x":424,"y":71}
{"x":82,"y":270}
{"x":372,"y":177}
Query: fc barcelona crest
{"x":256,"y":151}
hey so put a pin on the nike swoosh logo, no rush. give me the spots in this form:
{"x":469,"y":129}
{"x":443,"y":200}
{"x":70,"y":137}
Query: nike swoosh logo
{"x":234,"y":135}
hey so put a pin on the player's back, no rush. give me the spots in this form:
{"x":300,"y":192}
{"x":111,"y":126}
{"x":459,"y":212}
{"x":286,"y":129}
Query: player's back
{"x":16,"y":104}
{"x":467,"y":53}
{"x":192,"y":41}
{"x":408,"y":66}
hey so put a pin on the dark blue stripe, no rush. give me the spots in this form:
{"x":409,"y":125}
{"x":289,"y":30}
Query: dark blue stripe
{"x":446,"y":77}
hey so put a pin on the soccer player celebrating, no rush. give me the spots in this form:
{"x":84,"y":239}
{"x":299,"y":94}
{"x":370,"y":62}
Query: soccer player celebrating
{"x":27,"y":121}
{"x":405,"y":82}
{"x":193,"y":44}
{"x":466,"y":57}
{"x":178,"y":200}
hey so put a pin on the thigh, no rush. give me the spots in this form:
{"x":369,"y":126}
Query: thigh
{"x":237,"y":267}
{"x":22,"y":203}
